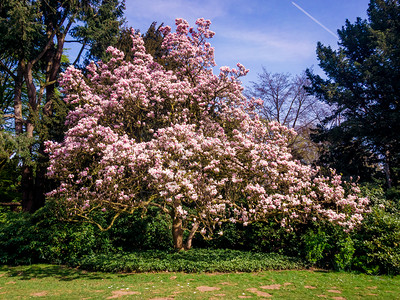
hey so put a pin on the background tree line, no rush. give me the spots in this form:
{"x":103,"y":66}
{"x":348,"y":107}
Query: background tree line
{"x":35,"y":36}
{"x":348,"y":121}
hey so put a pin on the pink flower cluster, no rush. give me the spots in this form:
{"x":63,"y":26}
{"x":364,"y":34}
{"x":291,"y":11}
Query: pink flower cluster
{"x":186,"y":141}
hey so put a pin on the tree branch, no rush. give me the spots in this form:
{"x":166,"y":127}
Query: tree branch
{"x":10,"y":204}
{"x":7,"y":116}
{"x":74,"y":41}
{"x":79,"y":54}
{"x":8,"y":70}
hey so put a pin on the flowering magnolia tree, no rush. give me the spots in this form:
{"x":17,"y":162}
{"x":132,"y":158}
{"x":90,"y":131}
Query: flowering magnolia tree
{"x":185,"y":141}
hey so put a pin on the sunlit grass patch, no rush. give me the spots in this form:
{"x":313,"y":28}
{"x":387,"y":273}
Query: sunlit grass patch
{"x":48,"y":281}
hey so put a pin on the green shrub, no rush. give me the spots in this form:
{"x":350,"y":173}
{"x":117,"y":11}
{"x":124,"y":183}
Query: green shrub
{"x":195,"y":260}
{"x":389,"y":199}
{"x":16,"y":239}
{"x":10,"y":181}
{"x":315,"y":243}
{"x":134,"y":232}
{"x":328,"y":246}
{"x":259,"y":237}
{"x":41,"y":237}
{"x":393,"y":197}
{"x":344,"y":256}
{"x":377,"y":244}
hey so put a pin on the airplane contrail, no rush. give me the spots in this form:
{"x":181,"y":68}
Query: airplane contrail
{"x":315,"y":20}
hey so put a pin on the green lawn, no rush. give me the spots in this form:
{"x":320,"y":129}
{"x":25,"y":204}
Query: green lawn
{"x":57,"y":282}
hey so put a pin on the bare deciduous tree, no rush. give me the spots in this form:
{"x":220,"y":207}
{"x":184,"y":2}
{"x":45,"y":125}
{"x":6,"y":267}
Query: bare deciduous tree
{"x":286,"y":101}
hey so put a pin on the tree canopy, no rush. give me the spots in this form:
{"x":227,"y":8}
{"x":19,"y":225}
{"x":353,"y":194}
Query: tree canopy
{"x":185,"y":141}
{"x":33,"y":35}
{"x":363,"y":88}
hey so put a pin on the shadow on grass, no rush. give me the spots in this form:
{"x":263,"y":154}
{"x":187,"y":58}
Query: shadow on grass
{"x":61,"y":273}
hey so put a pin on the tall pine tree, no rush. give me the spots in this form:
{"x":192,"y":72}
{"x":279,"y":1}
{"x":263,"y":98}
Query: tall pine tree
{"x":363,"y":88}
{"x":33,"y":35}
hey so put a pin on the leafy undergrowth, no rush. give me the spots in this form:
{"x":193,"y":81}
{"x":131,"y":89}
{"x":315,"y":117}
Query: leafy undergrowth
{"x":195,"y":260}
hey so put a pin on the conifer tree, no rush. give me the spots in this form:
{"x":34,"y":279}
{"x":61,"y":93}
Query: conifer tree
{"x":363,"y":87}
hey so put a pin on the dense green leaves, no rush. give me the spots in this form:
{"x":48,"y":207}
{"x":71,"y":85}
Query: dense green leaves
{"x":100,"y":28}
{"x":199,"y":260}
{"x":363,"y":88}
{"x":33,"y":35}
{"x":144,"y":244}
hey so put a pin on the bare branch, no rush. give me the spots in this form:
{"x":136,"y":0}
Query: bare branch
{"x":79,"y":54}
{"x":8,"y":116}
{"x":10,"y":204}
{"x":8,"y":71}
{"x":49,"y":42}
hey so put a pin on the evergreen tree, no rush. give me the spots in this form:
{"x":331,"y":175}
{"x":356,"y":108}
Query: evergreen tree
{"x":363,"y":87}
{"x":32,"y":45}
{"x":153,"y":39}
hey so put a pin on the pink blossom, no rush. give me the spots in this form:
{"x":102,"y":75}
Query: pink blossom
{"x":185,"y":140}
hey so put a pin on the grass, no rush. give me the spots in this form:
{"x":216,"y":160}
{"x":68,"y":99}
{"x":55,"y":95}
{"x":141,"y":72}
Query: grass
{"x":58,"y":282}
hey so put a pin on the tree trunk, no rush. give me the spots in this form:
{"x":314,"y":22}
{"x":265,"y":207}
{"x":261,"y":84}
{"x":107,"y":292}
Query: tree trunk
{"x":27,"y":183}
{"x":53,"y":58}
{"x":27,"y":189}
{"x":27,"y":180}
{"x":191,"y":235}
{"x":53,"y":61}
{"x":41,"y":182}
{"x":19,"y":122}
{"x":386,"y":168}
{"x":177,"y":232}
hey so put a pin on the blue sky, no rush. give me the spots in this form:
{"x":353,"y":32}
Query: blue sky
{"x":275,"y":34}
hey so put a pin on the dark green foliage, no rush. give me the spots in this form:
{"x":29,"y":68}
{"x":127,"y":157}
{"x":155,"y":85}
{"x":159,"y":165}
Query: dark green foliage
{"x":378,"y":244}
{"x":373,"y":248}
{"x":328,"y":246}
{"x":18,"y":28}
{"x":15,"y":232}
{"x":153,"y":39}
{"x":40,"y":237}
{"x":345,"y":153}
{"x":393,"y":198}
{"x":195,"y":260}
{"x":132,"y":232}
{"x":145,"y":244}
{"x":271,"y":237}
{"x":9,"y":175}
{"x":100,"y":29}
{"x":6,"y":87}
{"x":361,"y":136}
{"x":9,"y":182}
{"x":258,"y":236}
{"x":33,"y":34}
